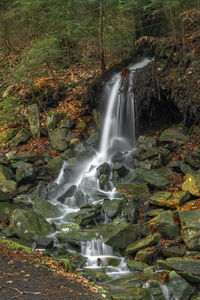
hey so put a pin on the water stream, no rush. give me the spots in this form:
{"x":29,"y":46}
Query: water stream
{"x":118,"y":135}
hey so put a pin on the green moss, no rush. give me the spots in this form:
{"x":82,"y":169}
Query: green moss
{"x":14,"y":245}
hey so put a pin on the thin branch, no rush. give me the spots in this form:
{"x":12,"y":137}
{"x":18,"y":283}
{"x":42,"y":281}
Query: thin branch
{"x":23,"y":292}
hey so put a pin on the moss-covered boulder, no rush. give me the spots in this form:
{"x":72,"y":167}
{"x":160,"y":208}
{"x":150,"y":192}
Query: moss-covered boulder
{"x":181,"y":288}
{"x":73,"y":238}
{"x":58,"y":139}
{"x":148,"y":241}
{"x":97,"y":275}
{"x":113,"y":207}
{"x":153,"y":177}
{"x":104,"y":183}
{"x":166,"y":226}
{"x":120,"y":236}
{"x":21,"y":137}
{"x":135,"y":265}
{"x":53,"y":119}
{"x":168,"y":199}
{"x":103,"y":169}
{"x":88,"y":215}
{"x":171,"y":135}
{"x":173,"y":251}
{"x":131,"y":293}
{"x":190,"y":228}
{"x":33,"y":116}
{"x":29,"y":225}
{"x":188,"y":267}
{"x":47,"y":209}
{"x":7,"y":185}
{"x":134,"y":190}
{"x":7,"y":135}
{"x":25,"y":172}
{"x":192,"y":184}
{"x":147,"y":255}
{"x":54,"y":166}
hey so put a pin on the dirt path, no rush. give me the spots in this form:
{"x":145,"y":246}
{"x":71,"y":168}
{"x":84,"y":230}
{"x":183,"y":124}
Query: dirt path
{"x":22,"y":276}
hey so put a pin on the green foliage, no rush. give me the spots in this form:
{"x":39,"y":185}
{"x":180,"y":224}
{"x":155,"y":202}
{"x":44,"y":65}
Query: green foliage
{"x":9,"y":110}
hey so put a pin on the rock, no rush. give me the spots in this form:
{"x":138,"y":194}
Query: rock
{"x":153,"y":178}
{"x":53,"y":119}
{"x":131,"y":293}
{"x":58,"y":139}
{"x":21,"y":137}
{"x":130,"y":211}
{"x":25,"y":172}
{"x":148,"y":241}
{"x":68,"y":123}
{"x":68,"y":193}
{"x":134,"y":190}
{"x":190,"y":228}
{"x":146,"y":142}
{"x":33,"y":116}
{"x":47,"y":209}
{"x":171,"y":135}
{"x":113,"y":207}
{"x":104,"y":183}
{"x":28,"y":157}
{"x":72,"y":138}
{"x":103,"y":169}
{"x":112,"y":261}
{"x":186,"y":169}
{"x":120,"y":169}
{"x":149,"y":153}
{"x":88,"y":216}
{"x":168,"y":199}
{"x":192,"y":160}
{"x":81,"y":127}
{"x":192,"y":184}
{"x":98,"y":196}
{"x":181,"y":288}
{"x":7,"y":135}
{"x":7,"y":185}
{"x":135,"y":265}
{"x":54,"y":166}
{"x":147,"y":255}
{"x":156,"y":290}
{"x":173,"y":251}
{"x":93,"y":140}
{"x":5,"y":196}
{"x":29,"y":225}
{"x":166,"y":226}
{"x":79,"y":197}
{"x":188,"y":267}
{"x":96,"y":275}
{"x":73,"y":239}
{"x":129,"y":177}
{"x":120,"y":236}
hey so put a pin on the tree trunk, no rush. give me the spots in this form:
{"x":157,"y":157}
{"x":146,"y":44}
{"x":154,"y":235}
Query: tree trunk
{"x":102,"y":59}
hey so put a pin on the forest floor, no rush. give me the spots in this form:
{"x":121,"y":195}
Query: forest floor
{"x":33,"y":275}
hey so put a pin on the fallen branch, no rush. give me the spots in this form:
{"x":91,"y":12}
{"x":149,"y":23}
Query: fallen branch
{"x":23,"y":292}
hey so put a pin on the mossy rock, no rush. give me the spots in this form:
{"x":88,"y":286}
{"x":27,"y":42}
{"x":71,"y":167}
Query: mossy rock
{"x":47,"y":209}
{"x":192,"y":184}
{"x":134,"y":190}
{"x":21,"y":137}
{"x":148,"y":241}
{"x":153,"y":177}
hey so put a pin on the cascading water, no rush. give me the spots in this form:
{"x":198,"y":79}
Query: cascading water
{"x":118,"y":134}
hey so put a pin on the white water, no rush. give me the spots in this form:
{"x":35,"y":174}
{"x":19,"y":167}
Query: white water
{"x":118,"y":133}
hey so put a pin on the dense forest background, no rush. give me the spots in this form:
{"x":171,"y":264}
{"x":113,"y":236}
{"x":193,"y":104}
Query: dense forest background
{"x":53,"y":49}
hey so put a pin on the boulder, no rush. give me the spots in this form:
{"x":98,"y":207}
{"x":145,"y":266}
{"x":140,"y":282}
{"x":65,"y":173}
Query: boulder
{"x":53,"y":119}
{"x":173,"y":251}
{"x":135,"y":265}
{"x":147,"y":255}
{"x":130,"y":177}
{"x":181,"y":288}
{"x":166,"y":226}
{"x":156,"y":290}
{"x":188,"y":267}
{"x":33,"y":116}
{"x":190,"y":228}
{"x":131,"y":293}
{"x":130,"y":211}
{"x":153,"y":177}
{"x":168,"y":199}
{"x":146,"y":142}
{"x":7,"y":135}
{"x":113,"y":207}
{"x":47,"y":209}
{"x":58,"y":139}
{"x":120,"y":236}
{"x":68,"y":123}
{"x":172,"y":135}
{"x":7,"y":185}
{"x":21,"y":137}
{"x":29,"y":225}
{"x":149,"y":153}
{"x":93,"y":139}
{"x":97,"y":275}
{"x":148,"y":241}
{"x":54,"y":166}
{"x":87,"y":216}
{"x":104,"y":182}
{"x":25,"y":172}
{"x":68,"y":193}
{"x":73,"y":239}
{"x":103,"y":169}
{"x":134,"y":190}
{"x":120,"y":169}
{"x":192,"y":184}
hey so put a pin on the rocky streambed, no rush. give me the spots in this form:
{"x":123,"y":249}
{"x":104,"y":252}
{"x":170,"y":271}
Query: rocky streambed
{"x":153,"y":219}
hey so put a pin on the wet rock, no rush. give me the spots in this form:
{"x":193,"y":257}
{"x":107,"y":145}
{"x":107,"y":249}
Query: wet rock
{"x":187,"y":169}
{"x":68,"y":123}
{"x":135,"y":265}
{"x":7,"y":135}
{"x":149,"y":153}
{"x":21,"y":137}
{"x":54,"y":166}
{"x":192,"y":160}
{"x":28,"y":157}
{"x":117,"y":157}
{"x":58,"y":139}
{"x":47,"y":209}
{"x":148,"y":241}
{"x":73,"y":239}
{"x":166,"y":226}
{"x":168,"y":199}
{"x":53,"y":119}
{"x":79,"y":197}
{"x":33,"y":116}
{"x":134,"y":190}
{"x":68,"y":193}
{"x":112,"y":261}
{"x":132,"y":293}
{"x":156,"y":290}
{"x":129,"y":177}
{"x":192,"y":184}
{"x":25,"y":172}
{"x":96,"y":275}
{"x":97,"y":196}
{"x":181,"y":288}
{"x":153,"y":177}
{"x":93,"y":140}
{"x":104,"y":183}
{"x":120,"y":236}
{"x":87,"y":216}
{"x":190,"y":228}
{"x":171,"y":135}
{"x":130,"y":211}
{"x":120,"y":169}
{"x":142,"y":164}
{"x":103,"y":169}
{"x":29,"y":225}
{"x":113,"y":207}
{"x":7,"y":185}
{"x":173,"y":251}
{"x":147,"y":255}
{"x":188,"y":267}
